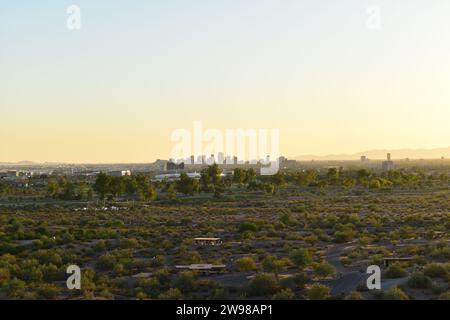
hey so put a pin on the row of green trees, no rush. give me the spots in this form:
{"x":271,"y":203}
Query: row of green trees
{"x":139,"y":187}
{"x":351,"y":178}
{"x":4,"y":189}
{"x":211,"y":180}
{"x":69,"y":190}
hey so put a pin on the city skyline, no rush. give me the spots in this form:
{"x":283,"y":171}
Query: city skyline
{"x":115,"y":90}
{"x":378,"y":155}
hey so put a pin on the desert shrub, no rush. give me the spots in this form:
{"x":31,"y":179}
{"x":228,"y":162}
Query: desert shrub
{"x":395,"y":270}
{"x":297,"y":281}
{"x":318,"y":292}
{"x":445,"y":296}
{"x":190,"y":257}
{"x":128,"y":243}
{"x":263,"y":284}
{"x":13,"y":288}
{"x":301,"y":257}
{"x":343,"y":236}
{"x":187,"y":282}
{"x":395,"y":293}
{"x":248,"y":226}
{"x":163,"y":277}
{"x":441,"y":253}
{"x":420,"y":281}
{"x":220,"y":294}
{"x":52,"y":272}
{"x":274,"y":264}
{"x":285,"y":294}
{"x":4,"y":275}
{"x":157,"y":261}
{"x":436,"y":270}
{"x":47,"y":256}
{"x":119,"y":269}
{"x":246,"y":264}
{"x":354,"y":295}
{"x":106,"y":262}
{"x":48,"y":291}
{"x":324,"y":269}
{"x":87,"y":280}
{"x":171,"y":294}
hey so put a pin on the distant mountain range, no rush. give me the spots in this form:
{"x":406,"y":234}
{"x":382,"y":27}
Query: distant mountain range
{"x":20,"y":163}
{"x":436,"y":153}
{"x":31,"y":163}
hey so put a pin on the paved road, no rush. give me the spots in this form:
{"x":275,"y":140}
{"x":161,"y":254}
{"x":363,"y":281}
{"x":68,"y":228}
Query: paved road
{"x":348,"y":279}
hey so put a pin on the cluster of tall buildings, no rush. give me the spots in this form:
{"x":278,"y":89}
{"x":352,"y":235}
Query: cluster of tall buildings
{"x":193,"y":162}
{"x":221,"y":159}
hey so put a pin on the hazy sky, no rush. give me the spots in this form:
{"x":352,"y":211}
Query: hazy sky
{"x":116,"y":89}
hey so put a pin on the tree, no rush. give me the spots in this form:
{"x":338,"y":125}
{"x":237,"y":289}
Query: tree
{"x":278,"y":179}
{"x":186,"y":185}
{"x":332,"y":175}
{"x":131,"y":187}
{"x":90,"y":194}
{"x":205,"y":180}
{"x":250,"y":176}
{"x":101,"y":185}
{"x":239,"y":176}
{"x":148,"y":193}
{"x":348,"y":183}
{"x":3,"y":188}
{"x":146,"y":189}
{"x":214,"y":174}
{"x":171,"y":190}
{"x":268,"y":188}
{"x":68,"y":191}
{"x":84,"y":191}
{"x":117,"y":186}
{"x":305,"y":178}
{"x":362,"y":176}
{"x":219,"y":189}
{"x":52,"y":188}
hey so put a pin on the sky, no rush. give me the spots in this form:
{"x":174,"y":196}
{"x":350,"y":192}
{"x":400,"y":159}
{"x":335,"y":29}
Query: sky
{"x":320,"y":71}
